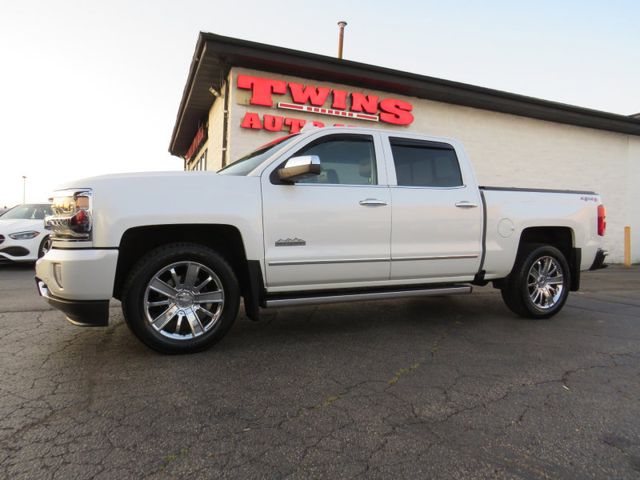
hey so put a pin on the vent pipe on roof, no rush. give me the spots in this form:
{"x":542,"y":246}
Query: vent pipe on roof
{"x":341,"y":24}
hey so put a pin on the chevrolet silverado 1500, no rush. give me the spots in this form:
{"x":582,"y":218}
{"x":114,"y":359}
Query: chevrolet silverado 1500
{"x":326,"y":215}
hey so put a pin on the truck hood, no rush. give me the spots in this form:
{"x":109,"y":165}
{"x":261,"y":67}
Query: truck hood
{"x":178,"y":175}
{"x":162,"y":189}
{"x":131,"y":200}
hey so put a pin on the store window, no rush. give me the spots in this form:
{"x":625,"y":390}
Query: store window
{"x":425,"y":164}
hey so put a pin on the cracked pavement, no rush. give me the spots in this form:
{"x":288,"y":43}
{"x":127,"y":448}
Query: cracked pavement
{"x":450,"y":387}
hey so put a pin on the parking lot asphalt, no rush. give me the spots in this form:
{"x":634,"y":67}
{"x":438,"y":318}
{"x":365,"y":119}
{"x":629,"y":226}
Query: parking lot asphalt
{"x":451,"y":387}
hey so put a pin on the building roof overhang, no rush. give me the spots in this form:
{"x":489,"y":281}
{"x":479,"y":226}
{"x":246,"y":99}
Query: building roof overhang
{"x":215,"y":55}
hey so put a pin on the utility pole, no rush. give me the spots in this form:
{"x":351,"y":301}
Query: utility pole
{"x":24,"y":189}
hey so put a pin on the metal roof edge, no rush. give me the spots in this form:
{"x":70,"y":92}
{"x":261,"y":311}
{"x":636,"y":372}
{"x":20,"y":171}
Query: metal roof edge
{"x":187,"y":87}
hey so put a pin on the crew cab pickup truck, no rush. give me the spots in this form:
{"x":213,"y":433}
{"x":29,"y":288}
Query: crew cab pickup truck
{"x":326,"y":215}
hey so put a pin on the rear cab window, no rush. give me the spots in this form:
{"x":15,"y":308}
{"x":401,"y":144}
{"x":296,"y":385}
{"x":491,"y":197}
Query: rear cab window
{"x":422,"y":163}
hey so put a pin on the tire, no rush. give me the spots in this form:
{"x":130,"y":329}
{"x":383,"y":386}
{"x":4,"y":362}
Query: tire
{"x":165,"y":298}
{"x":45,"y":246}
{"x":533,"y":292}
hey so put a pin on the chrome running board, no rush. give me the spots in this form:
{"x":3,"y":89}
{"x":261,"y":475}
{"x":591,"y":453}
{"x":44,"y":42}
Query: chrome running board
{"x":320,"y":298}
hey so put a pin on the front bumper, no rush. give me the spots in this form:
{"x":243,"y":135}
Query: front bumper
{"x":79,"y":273}
{"x":84,"y":313}
{"x":79,"y":282}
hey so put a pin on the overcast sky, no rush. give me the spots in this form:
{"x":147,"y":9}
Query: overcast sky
{"x":91,"y":87}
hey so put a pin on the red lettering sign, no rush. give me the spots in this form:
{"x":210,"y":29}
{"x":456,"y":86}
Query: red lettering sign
{"x":276,"y":123}
{"x":261,"y":89}
{"x":396,"y":111}
{"x":251,"y":120}
{"x":313,"y":95}
{"x":294,"y":124}
{"x":198,"y":140}
{"x":312,"y":99}
{"x":339,"y":100}
{"x":273,"y":123}
{"x":364,"y":103}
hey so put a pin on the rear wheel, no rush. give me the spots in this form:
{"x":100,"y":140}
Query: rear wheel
{"x":181,"y":298}
{"x":538,"y":285}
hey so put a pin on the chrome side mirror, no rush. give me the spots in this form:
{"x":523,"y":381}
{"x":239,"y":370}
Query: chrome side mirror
{"x":297,"y":168}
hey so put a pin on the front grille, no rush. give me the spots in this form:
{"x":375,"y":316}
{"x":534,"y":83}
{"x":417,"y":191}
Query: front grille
{"x":15,"y":251}
{"x":1,"y":238}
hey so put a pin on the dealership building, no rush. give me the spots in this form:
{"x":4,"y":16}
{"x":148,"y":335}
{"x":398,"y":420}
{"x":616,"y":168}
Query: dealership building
{"x":240,"y":95}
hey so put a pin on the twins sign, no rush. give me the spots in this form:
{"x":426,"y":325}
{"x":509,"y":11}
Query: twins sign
{"x":318,"y":100}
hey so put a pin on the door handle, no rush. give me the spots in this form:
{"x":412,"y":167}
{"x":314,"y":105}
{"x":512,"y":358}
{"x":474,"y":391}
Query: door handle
{"x":372,"y":202}
{"x":466,"y":204}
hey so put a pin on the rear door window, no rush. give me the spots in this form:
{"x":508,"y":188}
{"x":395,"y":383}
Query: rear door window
{"x":425,"y":164}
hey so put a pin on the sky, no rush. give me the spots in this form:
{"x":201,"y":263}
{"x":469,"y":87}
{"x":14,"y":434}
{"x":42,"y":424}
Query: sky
{"x":90,"y":87}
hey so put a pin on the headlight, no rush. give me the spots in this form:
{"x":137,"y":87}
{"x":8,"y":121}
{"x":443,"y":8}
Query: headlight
{"x":71,"y":219}
{"x":24,"y":235}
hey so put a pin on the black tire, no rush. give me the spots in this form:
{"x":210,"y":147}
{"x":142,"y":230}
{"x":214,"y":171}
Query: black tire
{"x":519,"y":296}
{"x":45,"y":246}
{"x":137,"y":288}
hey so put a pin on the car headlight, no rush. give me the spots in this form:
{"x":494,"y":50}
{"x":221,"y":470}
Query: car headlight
{"x":72,"y":218}
{"x":24,"y":235}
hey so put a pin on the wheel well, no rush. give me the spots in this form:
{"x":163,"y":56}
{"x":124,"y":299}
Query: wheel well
{"x":561,"y":238}
{"x":225,"y":239}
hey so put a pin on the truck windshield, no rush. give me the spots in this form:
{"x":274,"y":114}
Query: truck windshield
{"x":249,"y":162}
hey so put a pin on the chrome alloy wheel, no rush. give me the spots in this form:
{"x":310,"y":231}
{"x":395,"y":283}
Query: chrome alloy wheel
{"x":545,"y":282}
{"x":184,"y":300}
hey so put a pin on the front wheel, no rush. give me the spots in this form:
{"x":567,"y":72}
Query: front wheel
{"x":181,"y":298}
{"x":45,"y":246}
{"x":538,"y":285}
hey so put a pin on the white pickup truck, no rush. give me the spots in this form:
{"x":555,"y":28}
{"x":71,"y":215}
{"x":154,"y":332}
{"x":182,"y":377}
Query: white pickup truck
{"x":326,"y":215}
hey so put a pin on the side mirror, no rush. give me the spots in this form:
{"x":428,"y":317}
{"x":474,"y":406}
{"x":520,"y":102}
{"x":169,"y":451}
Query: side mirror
{"x":297,"y":168}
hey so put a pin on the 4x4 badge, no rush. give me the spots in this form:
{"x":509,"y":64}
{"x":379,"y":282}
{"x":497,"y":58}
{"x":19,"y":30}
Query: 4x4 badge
{"x":291,"y":242}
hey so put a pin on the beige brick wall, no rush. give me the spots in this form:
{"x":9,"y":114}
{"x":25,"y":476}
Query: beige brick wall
{"x":216,"y":118}
{"x":506,"y":150}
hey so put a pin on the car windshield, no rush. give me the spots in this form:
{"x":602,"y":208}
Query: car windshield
{"x":33,"y":211}
{"x":249,"y":162}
